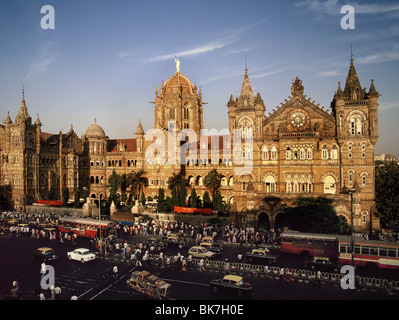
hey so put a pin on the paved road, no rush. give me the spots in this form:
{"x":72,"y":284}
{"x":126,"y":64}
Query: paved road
{"x":85,"y":280}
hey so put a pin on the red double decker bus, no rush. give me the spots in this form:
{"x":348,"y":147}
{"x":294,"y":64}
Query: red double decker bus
{"x":84,"y":227}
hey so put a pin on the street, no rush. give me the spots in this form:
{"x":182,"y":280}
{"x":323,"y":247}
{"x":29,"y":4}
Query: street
{"x":85,"y":281}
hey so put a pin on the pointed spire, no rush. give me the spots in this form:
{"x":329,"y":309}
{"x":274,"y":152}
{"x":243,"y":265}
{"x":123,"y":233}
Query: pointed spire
{"x":37,"y":122}
{"x":339,"y":93}
{"x":23,"y":111}
{"x":8,"y":119}
{"x":372,"y":91}
{"x":139,"y":129}
{"x":353,"y":90}
{"x":246,"y":97}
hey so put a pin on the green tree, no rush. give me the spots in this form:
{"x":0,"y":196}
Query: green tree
{"x":182,"y":194}
{"x":51,"y":194}
{"x":142,"y":199}
{"x":77,"y":198}
{"x":212,"y":182}
{"x":207,"y":200}
{"x":387,"y":193}
{"x":137,"y":181}
{"x":114,"y":182}
{"x":312,"y":215}
{"x":65,"y":196}
{"x":162,"y":206}
{"x":194,"y":199}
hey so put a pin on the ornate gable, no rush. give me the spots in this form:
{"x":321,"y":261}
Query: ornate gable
{"x":299,"y":116}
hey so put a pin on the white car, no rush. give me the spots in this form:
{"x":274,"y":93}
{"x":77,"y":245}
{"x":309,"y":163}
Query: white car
{"x":200,"y":252}
{"x":83,"y":255}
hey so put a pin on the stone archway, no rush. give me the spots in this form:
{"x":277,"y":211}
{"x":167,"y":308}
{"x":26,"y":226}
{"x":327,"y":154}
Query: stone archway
{"x":263,"y":221}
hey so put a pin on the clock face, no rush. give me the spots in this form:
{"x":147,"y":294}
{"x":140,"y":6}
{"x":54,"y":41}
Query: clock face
{"x":298,"y":119}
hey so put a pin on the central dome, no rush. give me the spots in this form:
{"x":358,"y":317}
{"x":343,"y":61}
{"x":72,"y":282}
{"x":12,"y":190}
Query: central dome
{"x":95,"y":130}
{"x":178,"y":83}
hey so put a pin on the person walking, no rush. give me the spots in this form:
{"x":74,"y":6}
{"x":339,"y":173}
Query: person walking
{"x":201,"y":265}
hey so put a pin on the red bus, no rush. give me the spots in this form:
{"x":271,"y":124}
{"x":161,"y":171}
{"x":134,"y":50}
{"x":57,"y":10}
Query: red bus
{"x":192,"y":210}
{"x":84,"y":227}
{"x":310,"y":244}
{"x":369,"y":253}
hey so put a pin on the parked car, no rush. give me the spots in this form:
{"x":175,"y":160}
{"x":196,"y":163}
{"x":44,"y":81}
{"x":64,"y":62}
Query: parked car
{"x":260,"y":255}
{"x":45,"y":254}
{"x":231,"y":284}
{"x":83,"y":255}
{"x":322,"y":264}
{"x":200,"y":252}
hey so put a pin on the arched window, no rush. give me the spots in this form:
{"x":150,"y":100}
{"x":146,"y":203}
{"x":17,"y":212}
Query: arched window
{"x":356,"y":120}
{"x":330,"y":185}
{"x":265,"y":153}
{"x":274,"y":153}
{"x":246,"y":126}
{"x":270,"y":184}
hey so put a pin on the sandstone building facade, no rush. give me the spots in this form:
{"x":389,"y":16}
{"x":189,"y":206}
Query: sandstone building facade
{"x":297,"y":149}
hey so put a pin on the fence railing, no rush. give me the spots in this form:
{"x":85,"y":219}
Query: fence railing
{"x":306,"y":276}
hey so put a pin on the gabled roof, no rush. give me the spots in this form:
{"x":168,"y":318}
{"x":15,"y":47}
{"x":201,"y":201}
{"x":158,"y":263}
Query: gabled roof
{"x":122,"y":145}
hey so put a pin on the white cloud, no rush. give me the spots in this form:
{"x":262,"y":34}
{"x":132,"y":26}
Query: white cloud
{"x":386,"y":56}
{"x":330,"y":73}
{"x":197,"y":50}
{"x":332,"y":7}
{"x":38,"y":68}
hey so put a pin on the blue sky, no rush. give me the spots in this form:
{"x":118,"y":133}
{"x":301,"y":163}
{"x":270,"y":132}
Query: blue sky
{"x":104,"y":59}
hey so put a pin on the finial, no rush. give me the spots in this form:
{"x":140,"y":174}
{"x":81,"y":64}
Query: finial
{"x":95,"y":121}
{"x":351,"y":54}
{"x":177,"y":65}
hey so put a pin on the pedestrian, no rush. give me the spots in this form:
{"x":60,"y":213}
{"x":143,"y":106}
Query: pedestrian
{"x":145,"y":259}
{"x":57,"y":292}
{"x":201,"y":265}
{"x":161,"y":258}
{"x":115,"y":272}
{"x":183,"y":265}
{"x":227,"y":267}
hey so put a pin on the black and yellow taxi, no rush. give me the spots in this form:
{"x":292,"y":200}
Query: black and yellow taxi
{"x":231,"y":284}
{"x":45,"y":254}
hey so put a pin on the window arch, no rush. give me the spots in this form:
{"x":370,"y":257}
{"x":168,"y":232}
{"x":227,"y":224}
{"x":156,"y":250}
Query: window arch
{"x":357,"y":122}
{"x":270,"y":184}
{"x":330,"y":185}
{"x":246,"y":126}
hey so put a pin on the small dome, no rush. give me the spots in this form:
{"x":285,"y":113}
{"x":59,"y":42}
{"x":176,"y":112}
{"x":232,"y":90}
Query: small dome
{"x":95,"y":130}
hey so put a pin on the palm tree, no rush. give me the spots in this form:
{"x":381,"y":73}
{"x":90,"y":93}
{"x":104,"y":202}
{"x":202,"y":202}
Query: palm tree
{"x":212,"y":181}
{"x":136,"y":181}
{"x":174,"y":183}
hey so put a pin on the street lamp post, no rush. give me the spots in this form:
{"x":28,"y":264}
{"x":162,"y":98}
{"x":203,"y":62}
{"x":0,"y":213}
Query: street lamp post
{"x":351,"y":192}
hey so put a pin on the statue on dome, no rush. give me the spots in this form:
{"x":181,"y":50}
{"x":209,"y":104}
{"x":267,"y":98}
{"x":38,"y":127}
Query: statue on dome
{"x":177,"y":65}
